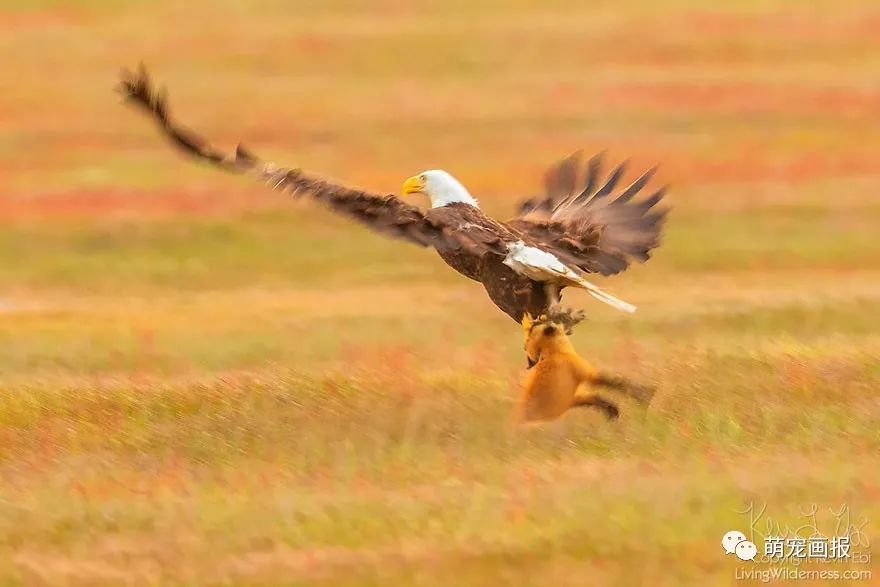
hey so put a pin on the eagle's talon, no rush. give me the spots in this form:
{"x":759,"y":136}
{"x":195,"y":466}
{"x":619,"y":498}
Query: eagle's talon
{"x":567,"y":317}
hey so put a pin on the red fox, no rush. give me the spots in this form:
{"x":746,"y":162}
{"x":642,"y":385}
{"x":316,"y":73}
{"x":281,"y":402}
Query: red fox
{"x":556,"y":372}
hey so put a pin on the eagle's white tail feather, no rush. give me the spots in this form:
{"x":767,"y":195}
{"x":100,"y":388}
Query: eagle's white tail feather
{"x":543,"y":266}
{"x":606,"y":297}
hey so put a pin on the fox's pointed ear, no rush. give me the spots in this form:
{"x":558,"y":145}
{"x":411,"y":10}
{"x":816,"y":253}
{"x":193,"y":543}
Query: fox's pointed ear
{"x":527,"y":321}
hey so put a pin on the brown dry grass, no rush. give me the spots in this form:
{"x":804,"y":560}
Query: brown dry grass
{"x":204,"y":384}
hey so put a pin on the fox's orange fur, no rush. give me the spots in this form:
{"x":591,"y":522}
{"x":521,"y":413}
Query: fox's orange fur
{"x":557,"y":373}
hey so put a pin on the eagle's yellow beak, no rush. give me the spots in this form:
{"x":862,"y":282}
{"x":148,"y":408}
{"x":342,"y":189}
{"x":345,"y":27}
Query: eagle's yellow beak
{"x":414,"y":185}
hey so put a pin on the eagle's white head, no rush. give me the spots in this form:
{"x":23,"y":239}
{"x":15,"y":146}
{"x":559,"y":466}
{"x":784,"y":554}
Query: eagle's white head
{"x":440,"y":186}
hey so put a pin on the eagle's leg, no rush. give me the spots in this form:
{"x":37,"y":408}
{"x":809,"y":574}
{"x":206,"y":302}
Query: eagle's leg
{"x":552,"y":291}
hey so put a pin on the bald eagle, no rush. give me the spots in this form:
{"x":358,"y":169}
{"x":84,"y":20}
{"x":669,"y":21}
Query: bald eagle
{"x":523,"y":264}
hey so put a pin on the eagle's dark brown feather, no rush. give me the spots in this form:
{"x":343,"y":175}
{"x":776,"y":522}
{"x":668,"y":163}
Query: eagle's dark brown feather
{"x":138,"y":91}
{"x":560,"y":181}
{"x":384,"y":213}
{"x":590,"y":229}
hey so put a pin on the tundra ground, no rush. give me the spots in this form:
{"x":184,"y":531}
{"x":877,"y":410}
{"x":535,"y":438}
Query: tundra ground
{"x":202,"y":382}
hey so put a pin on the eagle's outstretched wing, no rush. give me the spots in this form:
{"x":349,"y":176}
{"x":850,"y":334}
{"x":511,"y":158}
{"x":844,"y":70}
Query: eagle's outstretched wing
{"x":594,"y":228}
{"x":383,"y":213}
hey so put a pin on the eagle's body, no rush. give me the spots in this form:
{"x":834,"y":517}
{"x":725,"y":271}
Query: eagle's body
{"x":514,"y":293}
{"x":462,"y":217}
{"x":523,"y":264}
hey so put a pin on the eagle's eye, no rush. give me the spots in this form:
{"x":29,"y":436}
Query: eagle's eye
{"x":423,"y":178}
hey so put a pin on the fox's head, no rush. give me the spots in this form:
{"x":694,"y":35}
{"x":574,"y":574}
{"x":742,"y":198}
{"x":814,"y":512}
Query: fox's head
{"x":543,"y":338}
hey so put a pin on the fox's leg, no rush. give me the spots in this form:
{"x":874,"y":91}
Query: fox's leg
{"x":583,"y":371}
{"x":608,"y":408}
{"x":586,"y":373}
{"x":637,"y":391}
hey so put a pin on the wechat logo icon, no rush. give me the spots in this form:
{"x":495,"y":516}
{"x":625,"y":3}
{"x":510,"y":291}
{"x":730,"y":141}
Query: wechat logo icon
{"x":734,"y":542}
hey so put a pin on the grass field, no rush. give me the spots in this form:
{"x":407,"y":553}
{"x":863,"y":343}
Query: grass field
{"x":203,"y":383}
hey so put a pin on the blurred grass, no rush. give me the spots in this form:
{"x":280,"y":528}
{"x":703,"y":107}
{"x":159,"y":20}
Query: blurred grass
{"x":203,"y":383}
{"x":297,"y":246}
